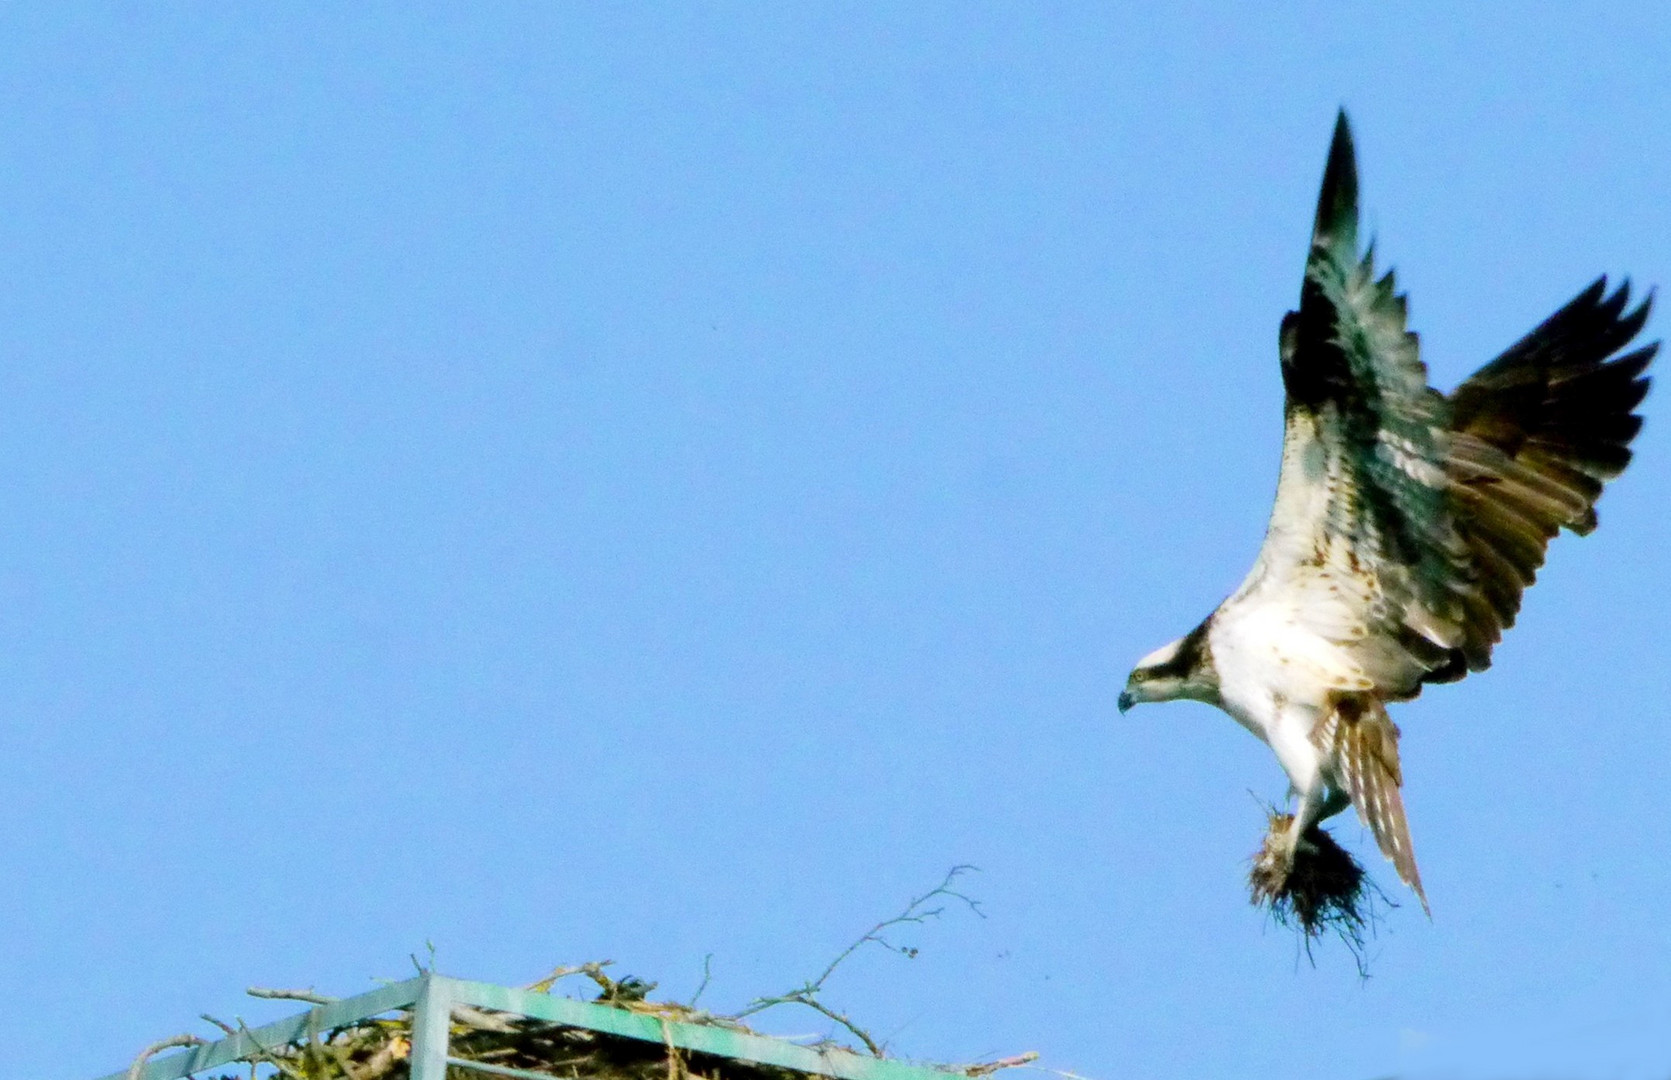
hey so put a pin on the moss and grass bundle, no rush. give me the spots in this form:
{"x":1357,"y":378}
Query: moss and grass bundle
{"x":1324,"y":890}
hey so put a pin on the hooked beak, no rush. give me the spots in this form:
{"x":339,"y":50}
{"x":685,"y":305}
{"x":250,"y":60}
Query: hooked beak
{"x":1126,"y":701}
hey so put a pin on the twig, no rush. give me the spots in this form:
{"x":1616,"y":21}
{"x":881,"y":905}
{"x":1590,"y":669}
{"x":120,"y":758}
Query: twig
{"x":990,"y":1067}
{"x":264,"y":1054}
{"x":707,"y":970}
{"x":137,"y":1069}
{"x":593,"y":969}
{"x":841,"y":1018}
{"x":914,"y":913}
{"x":626,"y":992}
{"x":917,"y":911}
{"x":430,"y":945}
{"x":290,"y":995}
{"x":561,"y":971}
{"x":222,"y":1024}
{"x":474,"y":1017}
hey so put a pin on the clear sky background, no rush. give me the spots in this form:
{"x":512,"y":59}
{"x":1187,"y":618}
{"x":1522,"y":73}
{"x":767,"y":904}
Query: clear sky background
{"x":569,"y":482}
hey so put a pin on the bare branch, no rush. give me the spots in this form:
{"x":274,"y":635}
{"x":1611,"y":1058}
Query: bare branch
{"x":473,"y":1017}
{"x":707,"y":970}
{"x":269,"y":1055}
{"x":137,"y":1069}
{"x":289,"y":995}
{"x":990,"y":1067}
{"x":561,"y":971}
{"x":593,"y":970}
{"x":918,"y":911}
{"x":806,"y":998}
{"x":222,"y":1024}
{"x":430,"y":945}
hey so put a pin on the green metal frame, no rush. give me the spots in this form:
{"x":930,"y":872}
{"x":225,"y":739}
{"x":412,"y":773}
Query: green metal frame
{"x":431,"y":999}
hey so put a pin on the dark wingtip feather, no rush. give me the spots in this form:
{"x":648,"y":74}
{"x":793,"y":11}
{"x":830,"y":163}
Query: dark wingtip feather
{"x":1635,"y":320}
{"x":1337,"y":205}
{"x":1535,"y":435}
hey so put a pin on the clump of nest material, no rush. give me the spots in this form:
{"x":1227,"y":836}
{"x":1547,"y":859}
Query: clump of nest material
{"x":380,"y":1048}
{"x":1323,"y":890}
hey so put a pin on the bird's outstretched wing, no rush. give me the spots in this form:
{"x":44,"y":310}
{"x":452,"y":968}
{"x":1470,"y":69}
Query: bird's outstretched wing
{"x":1533,"y":436}
{"x":1362,"y":550}
{"x":1407,"y":524}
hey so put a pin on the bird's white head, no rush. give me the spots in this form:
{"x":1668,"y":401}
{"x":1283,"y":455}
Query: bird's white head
{"x":1182,"y":669}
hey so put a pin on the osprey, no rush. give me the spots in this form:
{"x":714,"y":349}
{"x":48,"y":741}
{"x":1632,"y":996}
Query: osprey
{"x":1406,"y":526}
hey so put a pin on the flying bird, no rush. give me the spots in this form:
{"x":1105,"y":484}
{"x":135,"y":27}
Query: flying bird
{"x":1407,"y":522}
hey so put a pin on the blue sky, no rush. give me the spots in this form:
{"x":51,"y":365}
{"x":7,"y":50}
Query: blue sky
{"x":567,"y":482}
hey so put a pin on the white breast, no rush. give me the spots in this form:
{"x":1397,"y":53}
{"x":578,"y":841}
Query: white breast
{"x":1276,"y":675}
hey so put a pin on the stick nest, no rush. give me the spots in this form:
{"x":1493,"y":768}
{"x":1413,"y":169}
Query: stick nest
{"x":380,"y":1048}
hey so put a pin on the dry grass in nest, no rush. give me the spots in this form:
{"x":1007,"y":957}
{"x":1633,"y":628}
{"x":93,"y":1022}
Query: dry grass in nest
{"x":1325,"y":889}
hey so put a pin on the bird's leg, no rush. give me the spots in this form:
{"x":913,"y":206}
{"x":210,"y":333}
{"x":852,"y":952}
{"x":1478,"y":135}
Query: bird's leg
{"x":1292,"y":737}
{"x":1333,"y":803}
{"x":1275,"y":861}
{"x":1310,"y":809}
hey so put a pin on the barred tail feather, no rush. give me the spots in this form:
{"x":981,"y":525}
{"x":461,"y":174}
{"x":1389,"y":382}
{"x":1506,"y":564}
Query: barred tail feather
{"x":1367,"y":752}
